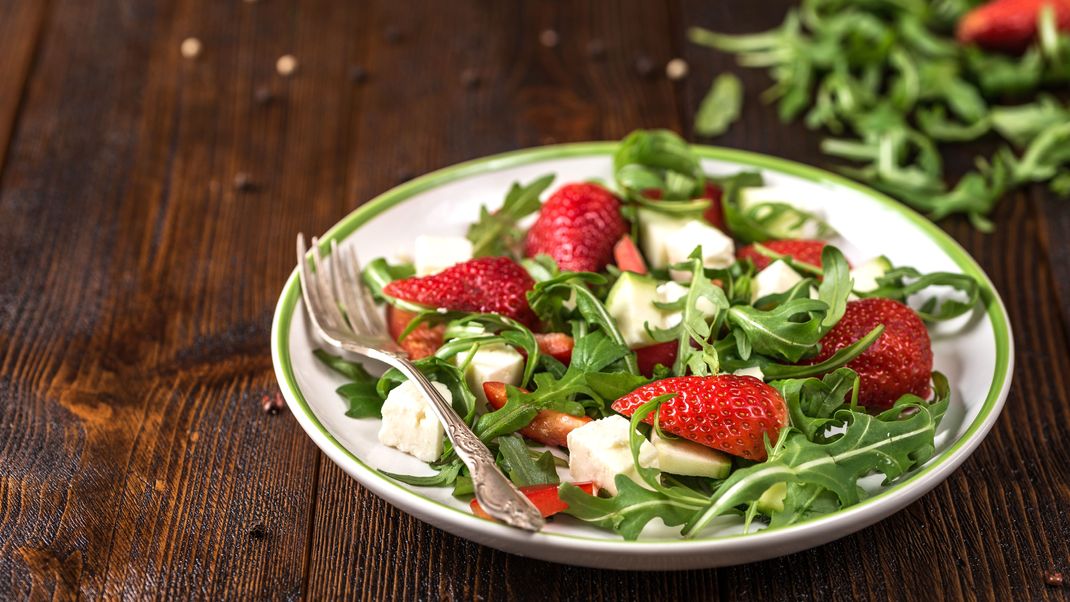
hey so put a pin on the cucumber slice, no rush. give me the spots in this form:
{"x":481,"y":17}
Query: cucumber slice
{"x":865,"y":276}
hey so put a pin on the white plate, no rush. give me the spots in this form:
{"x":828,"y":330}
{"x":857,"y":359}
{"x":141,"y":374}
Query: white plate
{"x":975,"y":352}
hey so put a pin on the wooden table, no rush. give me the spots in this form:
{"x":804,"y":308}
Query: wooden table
{"x":149,"y":202}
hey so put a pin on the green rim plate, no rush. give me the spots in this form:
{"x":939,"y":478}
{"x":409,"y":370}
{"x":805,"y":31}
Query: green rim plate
{"x":991,"y":302}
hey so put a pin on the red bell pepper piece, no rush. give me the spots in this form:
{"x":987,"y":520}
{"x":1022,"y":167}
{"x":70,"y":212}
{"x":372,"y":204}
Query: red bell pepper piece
{"x":545,"y":498}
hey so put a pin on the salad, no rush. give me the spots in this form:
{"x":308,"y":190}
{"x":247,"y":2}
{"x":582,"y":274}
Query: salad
{"x":687,"y":345}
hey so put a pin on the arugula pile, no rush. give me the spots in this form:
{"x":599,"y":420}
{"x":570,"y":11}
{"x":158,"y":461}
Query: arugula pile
{"x":888,"y":80}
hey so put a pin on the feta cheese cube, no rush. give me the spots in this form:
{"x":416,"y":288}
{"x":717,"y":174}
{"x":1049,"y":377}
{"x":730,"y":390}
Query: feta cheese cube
{"x":667,"y":240}
{"x":432,"y":254}
{"x":718,"y":250}
{"x":598,"y":452}
{"x":777,"y":277}
{"x":497,"y":363}
{"x":755,"y":371}
{"x":680,"y":456}
{"x":409,"y":424}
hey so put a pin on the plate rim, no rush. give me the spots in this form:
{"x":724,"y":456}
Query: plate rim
{"x":412,"y":502}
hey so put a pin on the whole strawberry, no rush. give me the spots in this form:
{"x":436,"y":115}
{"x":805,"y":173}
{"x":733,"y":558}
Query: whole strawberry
{"x":492,"y":285}
{"x":806,"y":251}
{"x":899,"y":362}
{"x":727,"y":412}
{"x":577,"y":226}
{"x":1009,"y":25}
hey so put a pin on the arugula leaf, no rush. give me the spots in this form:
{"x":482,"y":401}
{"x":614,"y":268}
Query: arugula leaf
{"x":889,"y":443}
{"x":788,"y":331}
{"x":627,"y":512}
{"x":379,"y":273}
{"x":547,"y":299}
{"x":702,"y":313}
{"x":1022,"y":124}
{"x":446,"y":476}
{"x":901,"y":283}
{"x":496,"y":233}
{"x":657,"y":160}
{"x":522,"y":470}
{"x":361,"y":395}
{"x":351,"y":370}
{"x":758,"y":222}
{"x":802,"y":501}
{"x":835,"y":286}
{"x":812,"y":402}
{"x":591,"y":373}
{"x":837,"y":360}
{"x":720,"y":107}
{"x":363,"y":399}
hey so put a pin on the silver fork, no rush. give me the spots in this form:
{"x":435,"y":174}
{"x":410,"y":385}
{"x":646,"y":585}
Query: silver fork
{"x":344,"y":315}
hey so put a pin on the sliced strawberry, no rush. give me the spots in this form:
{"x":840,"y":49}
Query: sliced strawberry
{"x":715,"y":213}
{"x":806,"y":251}
{"x":628,"y":257}
{"x":577,"y":226}
{"x":900,"y":361}
{"x":1009,"y":25}
{"x":491,"y":285}
{"x":557,"y":345}
{"x":652,"y":355}
{"x":727,"y":412}
{"x":422,"y":342}
{"x":545,"y":498}
{"x":549,"y":427}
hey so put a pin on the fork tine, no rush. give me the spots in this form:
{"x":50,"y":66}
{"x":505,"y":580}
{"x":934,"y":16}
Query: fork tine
{"x":308,"y":285}
{"x":373,"y":318}
{"x":332,"y":314}
{"x":343,"y":289}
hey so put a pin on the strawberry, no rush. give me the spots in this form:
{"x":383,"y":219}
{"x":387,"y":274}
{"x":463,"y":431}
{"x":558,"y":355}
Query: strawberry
{"x":727,"y":412}
{"x":1009,"y":25}
{"x":652,"y":355}
{"x":900,"y":361}
{"x":806,"y":251}
{"x":627,"y":256}
{"x":557,"y":345}
{"x":490,"y":285}
{"x":423,"y":341}
{"x":577,"y":226}
{"x":549,"y":427}
{"x":715,"y":213}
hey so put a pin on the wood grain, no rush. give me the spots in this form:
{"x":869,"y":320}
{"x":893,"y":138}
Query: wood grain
{"x":137,"y":282}
{"x":20,"y":29}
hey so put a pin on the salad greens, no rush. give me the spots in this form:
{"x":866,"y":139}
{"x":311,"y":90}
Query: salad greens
{"x":888,"y":81}
{"x":722,"y":325}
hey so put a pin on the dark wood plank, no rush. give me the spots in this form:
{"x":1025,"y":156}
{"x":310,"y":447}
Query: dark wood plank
{"x":138,"y":292}
{"x":20,"y":29}
{"x":528,"y":94}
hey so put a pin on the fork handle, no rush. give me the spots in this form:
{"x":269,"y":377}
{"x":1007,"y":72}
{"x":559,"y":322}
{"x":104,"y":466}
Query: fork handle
{"x":496,"y":493}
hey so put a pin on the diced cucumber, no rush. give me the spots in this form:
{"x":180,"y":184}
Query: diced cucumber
{"x":631,"y":304}
{"x":683,"y":457}
{"x":772,"y":500}
{"x":865,"y":276}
